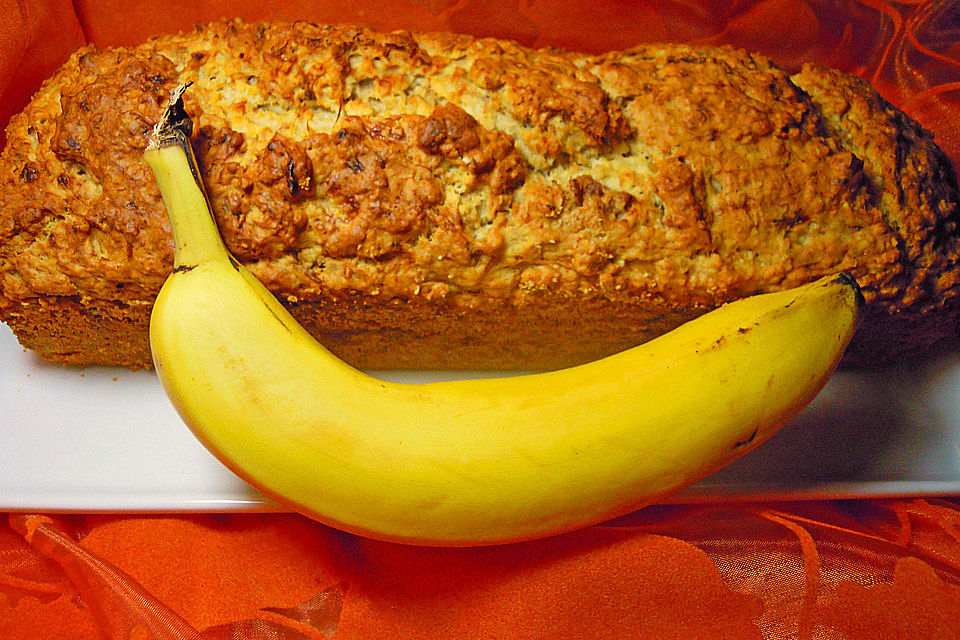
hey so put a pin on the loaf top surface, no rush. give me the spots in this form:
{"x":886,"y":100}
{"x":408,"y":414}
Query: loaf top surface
{"x":477,"y":172}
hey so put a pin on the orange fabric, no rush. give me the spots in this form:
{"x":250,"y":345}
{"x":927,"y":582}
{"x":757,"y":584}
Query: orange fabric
{"x":849,"y":570}
{"x":846,"y":569}
{"x":27,"y":52}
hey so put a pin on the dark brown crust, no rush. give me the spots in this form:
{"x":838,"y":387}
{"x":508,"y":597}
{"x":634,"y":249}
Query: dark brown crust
{"x":449,"y":191}
{"x":370,"y":333}
{"x":67,"y":331}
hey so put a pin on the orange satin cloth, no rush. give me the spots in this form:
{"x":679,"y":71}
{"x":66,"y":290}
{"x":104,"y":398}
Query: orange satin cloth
{"x":849,"y":570}
{"x":842,"y":569}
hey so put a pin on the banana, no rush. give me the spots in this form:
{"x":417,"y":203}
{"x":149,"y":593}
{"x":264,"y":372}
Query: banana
{"x":479,"y":461}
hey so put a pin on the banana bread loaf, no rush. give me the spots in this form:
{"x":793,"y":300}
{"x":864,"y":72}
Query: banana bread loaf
{"x":442,"y":201}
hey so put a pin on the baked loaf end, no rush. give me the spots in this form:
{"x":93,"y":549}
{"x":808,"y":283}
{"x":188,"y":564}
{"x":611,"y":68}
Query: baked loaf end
{"x":441,"y":201}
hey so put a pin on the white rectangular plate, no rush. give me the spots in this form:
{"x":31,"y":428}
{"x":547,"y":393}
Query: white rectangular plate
{"x":101,"y":439}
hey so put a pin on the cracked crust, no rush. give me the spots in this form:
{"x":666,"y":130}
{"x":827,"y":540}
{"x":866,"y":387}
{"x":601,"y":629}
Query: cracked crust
{"x":436,"y":200}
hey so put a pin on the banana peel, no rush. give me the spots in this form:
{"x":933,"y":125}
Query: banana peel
{"x":470,"y":462}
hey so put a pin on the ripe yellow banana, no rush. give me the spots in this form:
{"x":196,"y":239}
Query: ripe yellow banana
{"x":480,"y":461}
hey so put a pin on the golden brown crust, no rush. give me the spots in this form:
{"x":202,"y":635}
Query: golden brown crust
{"x":445,"y":175}
{"x":910,"y":180}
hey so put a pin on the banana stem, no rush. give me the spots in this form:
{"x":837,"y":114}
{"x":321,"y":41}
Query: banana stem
{"x":195,"y":233}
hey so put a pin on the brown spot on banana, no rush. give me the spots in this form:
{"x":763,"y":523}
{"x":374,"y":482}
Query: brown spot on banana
{"x":750,"y":438}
